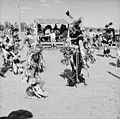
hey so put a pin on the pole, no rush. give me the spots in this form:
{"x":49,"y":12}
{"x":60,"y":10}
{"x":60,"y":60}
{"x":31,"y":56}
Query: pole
{"x":68,"y":36}
{"x":36,"y":34}
{"x":77,"y":65}
{"x":19,"y":19}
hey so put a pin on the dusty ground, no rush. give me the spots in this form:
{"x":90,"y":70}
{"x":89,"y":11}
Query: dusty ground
{"x":99,"y":100}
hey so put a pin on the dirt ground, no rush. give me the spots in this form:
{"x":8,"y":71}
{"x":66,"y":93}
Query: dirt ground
{"x":99,"y":100}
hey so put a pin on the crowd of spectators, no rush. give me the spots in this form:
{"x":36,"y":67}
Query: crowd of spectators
{"x":45,"y":32}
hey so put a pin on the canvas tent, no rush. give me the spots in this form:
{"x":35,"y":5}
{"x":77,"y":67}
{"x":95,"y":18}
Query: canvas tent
{"x":51,"y":21}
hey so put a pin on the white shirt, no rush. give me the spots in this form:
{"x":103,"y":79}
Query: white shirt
{"x":52,"y":36}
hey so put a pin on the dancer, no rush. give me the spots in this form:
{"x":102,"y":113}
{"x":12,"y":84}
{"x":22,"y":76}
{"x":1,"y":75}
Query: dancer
{"x":35,"y":66}
{"x":118,"y":55}
{"x":77,"y":60}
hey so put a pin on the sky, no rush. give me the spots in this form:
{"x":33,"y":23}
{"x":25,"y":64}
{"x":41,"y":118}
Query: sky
{"x":95,"y":13}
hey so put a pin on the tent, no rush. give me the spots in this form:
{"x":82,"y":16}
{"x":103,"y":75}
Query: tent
{"x":51,"y":21}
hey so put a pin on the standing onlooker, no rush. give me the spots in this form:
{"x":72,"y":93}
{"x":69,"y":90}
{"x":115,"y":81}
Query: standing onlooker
{"x":53,"y":37}
{"x":91,"y":34}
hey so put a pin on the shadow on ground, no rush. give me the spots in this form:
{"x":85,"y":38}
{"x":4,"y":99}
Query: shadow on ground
{"x":113,"y":57}
{"x":71,"y":79}
{"x":3,"y":70}
{"x":67,"y":73}
{"x":101,"y":55}
{"x":19,"y":114}
{"x":113,"y":64}
{"x":113,"y":74}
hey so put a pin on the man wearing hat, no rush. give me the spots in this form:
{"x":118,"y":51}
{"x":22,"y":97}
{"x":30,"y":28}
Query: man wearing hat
{"x":78,"y":57}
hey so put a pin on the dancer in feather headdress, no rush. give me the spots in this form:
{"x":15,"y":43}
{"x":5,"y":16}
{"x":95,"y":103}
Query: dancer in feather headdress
{"x":77,"y":55}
